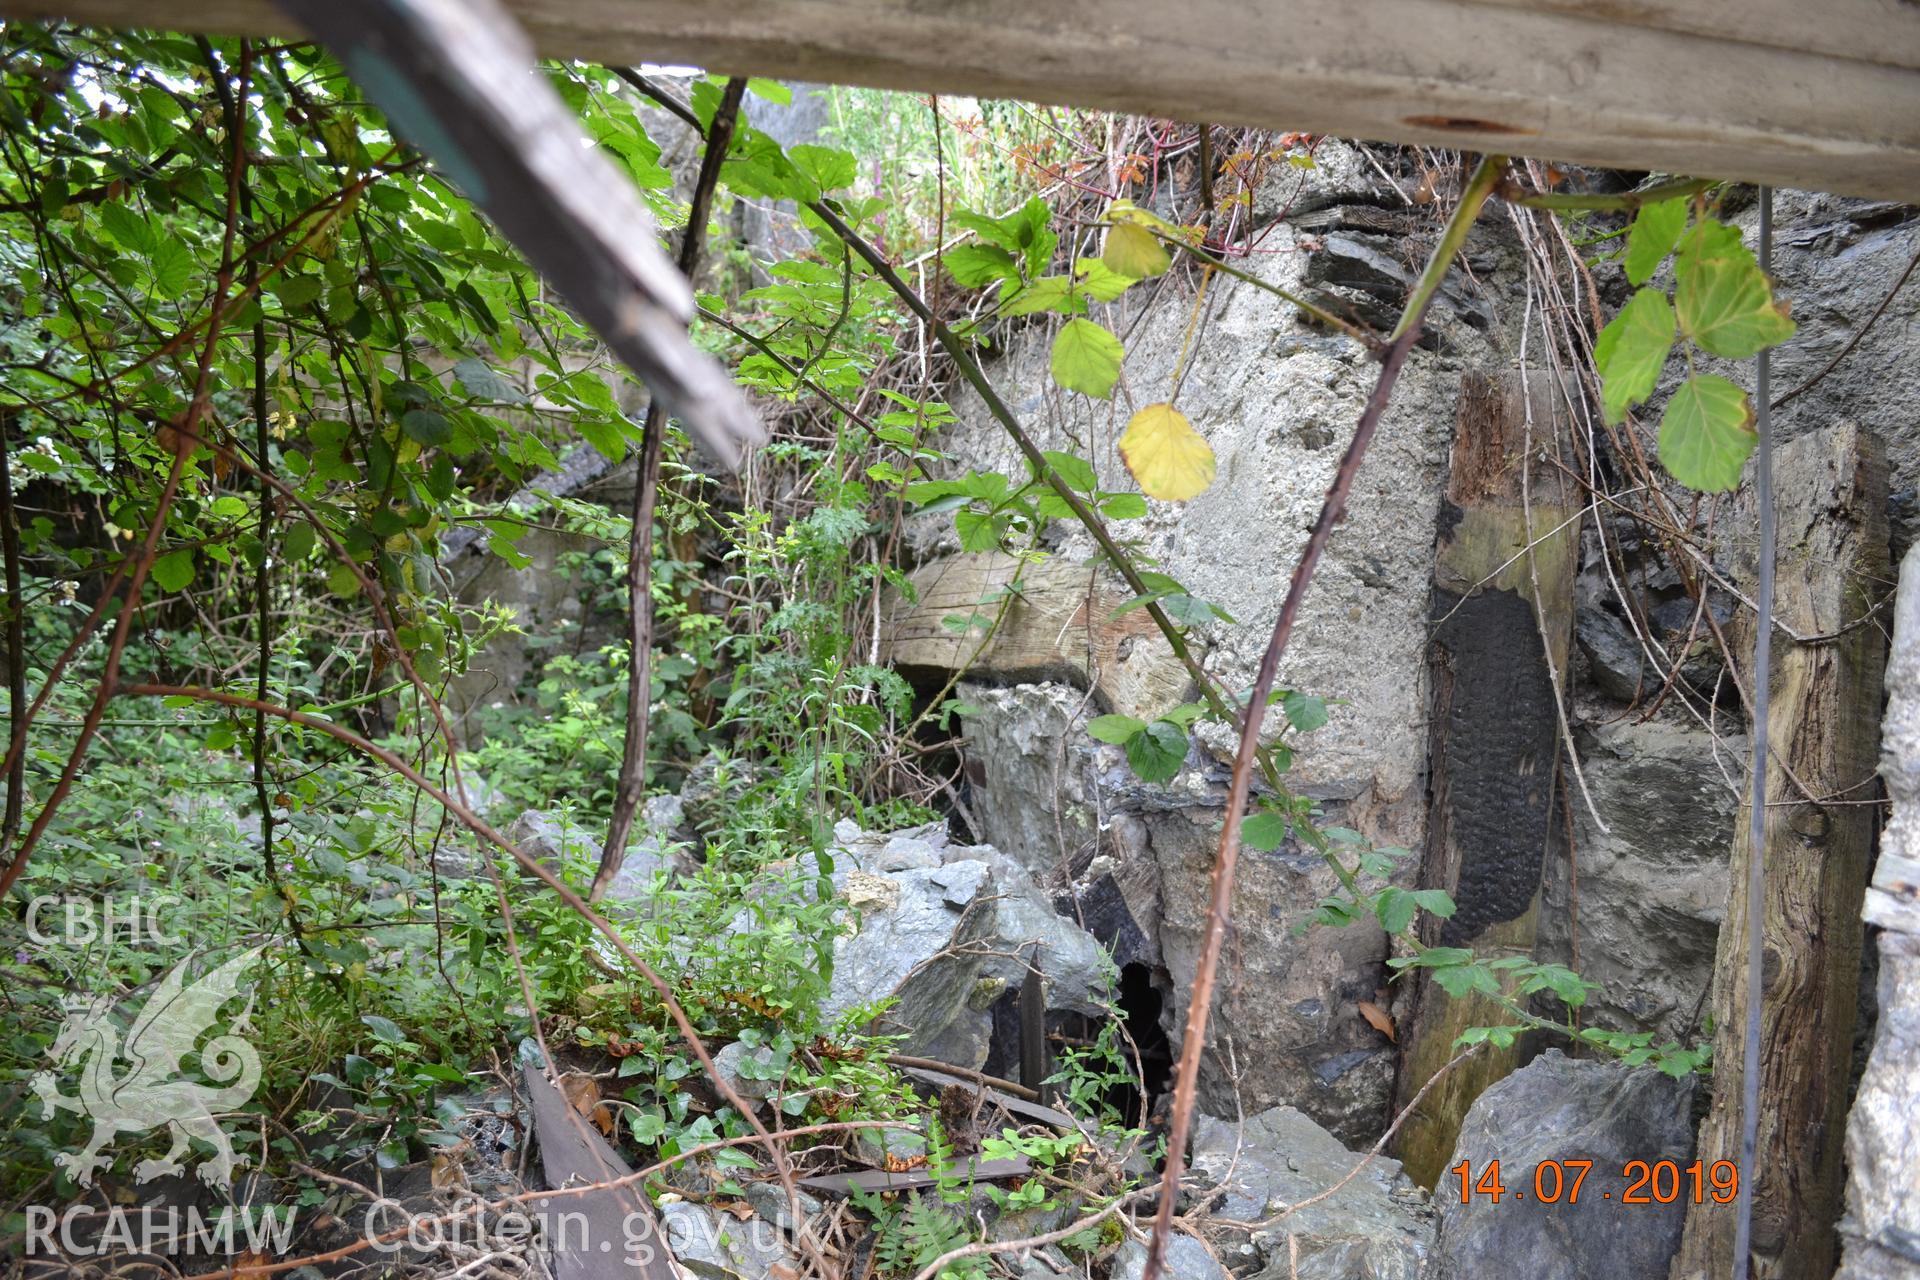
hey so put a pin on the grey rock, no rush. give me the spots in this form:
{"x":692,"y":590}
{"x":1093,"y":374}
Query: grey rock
{"x":1036,"y":789}
{"x":1881,"y":1230}
{"x":717,"y":1246}
{"x":1373,"y":266}
{"x":1376,"y":1227}
{"x":1560,"y":1108}
{"x":908,"y":884}
{"x":1074,"y":967}
{"x":1652,"y":887}
{"x":1143,"y":858}
{"x":750,"y":1082}
{"x":770,"y":1202}
{"x":1298,"y":1038}
{"x":1614,"y":659}
{"x":560,"y":842}
{"x":554,"y":838}
{"x":919,"y":936}
{"x":1048,"y":1263}
{"x":1187,"y":1259}
{"x":713,"y":791}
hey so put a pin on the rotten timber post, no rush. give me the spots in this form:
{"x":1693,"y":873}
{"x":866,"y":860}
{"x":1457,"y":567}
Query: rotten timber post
{"x":1499,"y":615}
{"x":1832,"y":571}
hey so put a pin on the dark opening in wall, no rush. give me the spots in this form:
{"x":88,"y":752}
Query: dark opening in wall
{"x":1142,"y":1002}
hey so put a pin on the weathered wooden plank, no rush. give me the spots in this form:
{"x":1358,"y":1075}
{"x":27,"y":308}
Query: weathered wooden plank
{"x":1057,"y":625}
{"x":1886,"y":31}
{"x":596,"y":1235}
{"x":1495,"y":731}
{"x":1831,"y":570}
{"x":1822,"y":96}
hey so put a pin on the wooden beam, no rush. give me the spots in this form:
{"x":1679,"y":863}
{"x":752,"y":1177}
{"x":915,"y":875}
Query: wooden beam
{"x":1058,"y":624}
{"x":1494,"y":729}
{"x":1832,"y":572}
{"x":1820,"y":96}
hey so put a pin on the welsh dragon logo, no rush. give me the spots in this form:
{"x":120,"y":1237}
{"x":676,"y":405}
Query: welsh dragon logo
{"x":153,"y":1091}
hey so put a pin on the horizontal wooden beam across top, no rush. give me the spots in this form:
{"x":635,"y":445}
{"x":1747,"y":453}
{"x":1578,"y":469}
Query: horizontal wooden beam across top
{"x":1818,"y":95}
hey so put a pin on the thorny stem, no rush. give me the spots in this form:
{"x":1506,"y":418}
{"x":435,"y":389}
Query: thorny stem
{"x":16,"y":639}
{"x":1200,"y":999}
{"x":181,"y":439}
{"x":631,"y":787}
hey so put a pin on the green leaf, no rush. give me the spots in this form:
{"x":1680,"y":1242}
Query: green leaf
{"x":174,"y":570}
{"x":1192,"y":610}
{"x":972,"y":265}
{"x":1157,"y":751}
{"x":1655,"y":230}
{"x":1114,"y":729}
{"x":299,"y":542}
{"x":426,"y":427}
{"x":1264,"y":831}
{"x":1435,"y":902}
{"x":648,"y":1126}
{"x":1086,"y":358}
{"x":295,"y":292}
{"x":1076,"y":471}
{"x":342,"y":582}
{"x":1707,"y":433}
{"x":1394,"y":908}
{"x":1123,"y":506}
{"x":172,"y":265}
{"x":977,"y":532}
{"x":1304,"y":711}
{"x":1724,"y":302}
{"x":772,"y":90}
{"x":1099,"y":281}
{"x":384,"y":1030}
{"x":830,"y":167}
{"x":482,"y":380}
{"x":1631,"y":352}
{"x":1049,"y":293}
{"x":1459,"y":980}
{"x":129,"y":228}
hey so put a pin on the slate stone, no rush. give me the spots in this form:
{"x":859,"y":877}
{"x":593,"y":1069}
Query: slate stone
{"x":1376,"y":1227}
{"x":1557,"y":1109}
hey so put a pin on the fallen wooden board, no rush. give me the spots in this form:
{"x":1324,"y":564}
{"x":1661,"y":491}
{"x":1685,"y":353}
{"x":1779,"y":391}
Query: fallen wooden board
{"x":1058,"y":626}
{"x":876,"y":1180}
{"x":1013,"y":1106}
{"x":1824,"y":96}
{"x":610,"y":1234}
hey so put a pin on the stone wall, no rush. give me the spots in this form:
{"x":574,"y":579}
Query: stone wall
{"x":1277,"y":401}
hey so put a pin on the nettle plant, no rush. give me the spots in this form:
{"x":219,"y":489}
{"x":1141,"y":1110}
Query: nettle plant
{"x":1721,"y":305}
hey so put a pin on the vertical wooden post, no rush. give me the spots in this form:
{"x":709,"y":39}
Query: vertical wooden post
{"x":1832,"y":569}
{"x":1503,"y":620}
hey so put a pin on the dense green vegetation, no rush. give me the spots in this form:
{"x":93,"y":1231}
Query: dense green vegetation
{"x":261,"y":360}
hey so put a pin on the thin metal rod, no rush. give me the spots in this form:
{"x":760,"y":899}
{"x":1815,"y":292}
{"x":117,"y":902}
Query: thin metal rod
{"x":1757,"y":807}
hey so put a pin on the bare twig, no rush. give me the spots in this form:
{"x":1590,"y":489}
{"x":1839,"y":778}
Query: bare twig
{"x":631,"y":787}
{"x":16,"y":640}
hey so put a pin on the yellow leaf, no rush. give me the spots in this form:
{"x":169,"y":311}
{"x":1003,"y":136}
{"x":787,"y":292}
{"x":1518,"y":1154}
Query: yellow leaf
{"x":1132,"y":251}
{"x":1167,"y":456}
